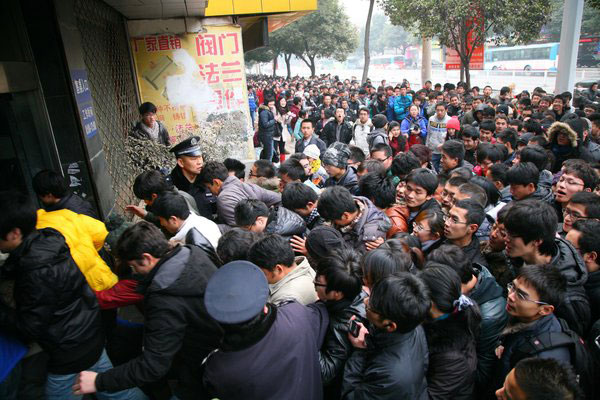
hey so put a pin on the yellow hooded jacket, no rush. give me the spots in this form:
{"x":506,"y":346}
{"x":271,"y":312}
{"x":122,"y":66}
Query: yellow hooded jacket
{"x":84,"y":236}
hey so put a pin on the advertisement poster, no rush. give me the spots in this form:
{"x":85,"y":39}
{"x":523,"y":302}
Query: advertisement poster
{"x":194,"y":78}
{"x":476,"y":62}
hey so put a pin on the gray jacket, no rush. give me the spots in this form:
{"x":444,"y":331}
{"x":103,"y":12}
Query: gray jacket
{"x":234,"y":190}
{"x":297,"y":285}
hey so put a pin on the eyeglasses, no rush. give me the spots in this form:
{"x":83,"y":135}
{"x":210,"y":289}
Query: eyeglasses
{"x":574,"y":215}
{"x":454,"y":220}
{"x":382,"y":159}
{"x":523,"y":296}
{"x":419,"y":228}
{"x":319,"y":284}
{"x":569,"y":182}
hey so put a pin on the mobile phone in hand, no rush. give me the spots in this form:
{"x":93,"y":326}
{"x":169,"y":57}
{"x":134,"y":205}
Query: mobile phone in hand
{"x":353,"y":328}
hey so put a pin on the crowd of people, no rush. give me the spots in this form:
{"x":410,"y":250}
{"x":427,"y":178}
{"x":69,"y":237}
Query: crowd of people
{"x":441,"y":243}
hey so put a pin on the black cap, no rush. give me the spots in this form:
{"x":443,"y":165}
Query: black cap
{"x":188,"y":147}
{"x":236,"y":293}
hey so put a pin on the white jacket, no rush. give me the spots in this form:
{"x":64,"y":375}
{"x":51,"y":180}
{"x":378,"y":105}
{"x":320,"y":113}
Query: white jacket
{"x":205,"y":226}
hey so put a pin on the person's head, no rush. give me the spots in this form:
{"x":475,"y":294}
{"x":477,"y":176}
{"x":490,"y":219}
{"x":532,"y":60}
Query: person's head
{"x":585,"y":237}
{"x":235,"y":167}
{"x":308,"y":128}
{"x":335,"y":159}
{"x":429,"y":225}
{"x":148,"y":113}
{"x":535,"y":292}
{"x":544,"y":103}
{"x":501,"y":123}
{"x":540,"y":379}
{"x":463,"y":220}
{"x":337,"y":205}
{"x":291,"y":171}
{"x":590,"y":109}
{"x":213,"y":175}
{"x":535,"y":154}
{"x":558,"y":104}
{"x":582,"y":206}
{"x":339,"y":275}
{"x":363,"y":115}
{"x":252,"y":215}
{"x":49,"y":186}
{"x":378,"y":188}
{"x":17,"y":219}
{"x":471,"y":191}
{"x":262,"y":169}
{"x":523,"y":180}
{"x":491,"y":191}
{"x":357,"y":157}
{"x":440,"y":110}
{"x":398,"y":303}
{"x":388,"y":259}
{"x":141,"y":246}
{"x":383,"y":153}
{"x":273,"y":254}
{"x":327,"y":100}
{"x":453,"y":153}
{"x":487,"y":155}
{"x":269,"y":102}
{"x":488,"y":113}
{"x":403,"y":164}
{"x":370,"y":165}
{"x":422,"y":152}
{"x":497,"y":240}
{"x":234,"y":244}
{"x":486,"y":131}
{"x":420,"y":187}
{"x":299,"y":198}
{"x":470,"y":137}
{"x":171,"y":210}
{"x":577,"y":176}
{"x":508,"y":137}
{"x":497,"y":174}
{"x":450,"y":190}
{"x":340,"y":114}
{"x":394,"y":129}
{"x":321,"y":241}
{"x":454,"y":257}
{"x":530,"y":229}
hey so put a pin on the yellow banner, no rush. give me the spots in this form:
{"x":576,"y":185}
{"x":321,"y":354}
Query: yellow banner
{"x":193,"y":79}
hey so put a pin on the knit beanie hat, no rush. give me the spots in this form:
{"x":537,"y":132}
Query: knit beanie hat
{"x":379,"y":121}
{"x":312,"y":151}
{"x":337,"y":155}
{"x":454,"y":123}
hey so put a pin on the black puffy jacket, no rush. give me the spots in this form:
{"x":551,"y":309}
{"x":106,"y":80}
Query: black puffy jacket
{"x":392,"y":367}
{"x":349,"y":180}
{"x":76,"y":204}
{"x":266,"y":121}
{"x":328,"y":135}
{"x":337,"y":348}
{"x":176,"y":325}
{"x":54,"y":304}
{"x":592,"y":288}
{"x":285,"y":223}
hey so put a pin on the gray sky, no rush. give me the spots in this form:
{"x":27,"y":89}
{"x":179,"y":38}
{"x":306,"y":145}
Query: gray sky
{"x":357,"y":10}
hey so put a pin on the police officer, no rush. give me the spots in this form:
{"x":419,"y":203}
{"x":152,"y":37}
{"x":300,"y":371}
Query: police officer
{"x":189,"y":164}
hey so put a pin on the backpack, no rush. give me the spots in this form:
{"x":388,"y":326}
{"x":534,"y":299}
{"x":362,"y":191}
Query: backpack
{"x":581,"y":357}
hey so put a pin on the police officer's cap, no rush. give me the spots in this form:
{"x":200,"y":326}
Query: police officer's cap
{"x":189,"y":147}
{"x":236,"y":293}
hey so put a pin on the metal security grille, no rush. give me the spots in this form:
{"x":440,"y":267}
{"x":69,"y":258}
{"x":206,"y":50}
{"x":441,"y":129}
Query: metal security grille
{"x":111,"y":81}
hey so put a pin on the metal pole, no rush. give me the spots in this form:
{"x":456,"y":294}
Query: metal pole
{"x":569,"y":45}
{"x":426,"y":61}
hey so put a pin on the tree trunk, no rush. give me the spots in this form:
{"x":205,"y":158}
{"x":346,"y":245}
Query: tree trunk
{"x":366,"y":46}
{"x":468,"y":75}
{"x":288,"y":60}
{"x":275,"y":66}
{"x":425,"y":60}
{"x":462,"y":71}
{"x":313,"y":67}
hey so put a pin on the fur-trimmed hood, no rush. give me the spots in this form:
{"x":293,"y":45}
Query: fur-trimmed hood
{"x":558,"y":127}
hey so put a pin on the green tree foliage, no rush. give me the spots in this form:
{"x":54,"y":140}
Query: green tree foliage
{"x":450,"y":21}
{"x":590,"y":23}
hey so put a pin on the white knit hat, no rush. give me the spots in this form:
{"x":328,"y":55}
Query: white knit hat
{"x":312,"y":151}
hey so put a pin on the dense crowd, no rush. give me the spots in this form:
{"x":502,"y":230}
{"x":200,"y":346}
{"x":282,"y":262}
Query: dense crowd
{"x":388,"y":243}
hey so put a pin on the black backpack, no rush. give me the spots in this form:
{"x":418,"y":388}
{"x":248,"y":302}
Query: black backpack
{"x":581,"y":357}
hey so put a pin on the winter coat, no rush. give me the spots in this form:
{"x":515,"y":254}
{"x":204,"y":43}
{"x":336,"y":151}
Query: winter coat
{"x":377,"y":108}
{"x":74,"y":203}
{"x":300,"y":145}
{"x":204,"y":199}
{"x":452,"y":358}
{"x":592,"y":288}
{"x":251,"y":102}
{"x":233,"y":191}
{"x":401,"y":105}
{"x":505,"y":195}
{"x":272,"y":361}
{"x":491,"y":300}
{"x":377,"y":136}
{"x":360,"y":132}
{"x":176,"y":325}
{"x":266,"y":122}
{"x":473,"y":252}
{"x":563,"y":153}
{"x":55,"y":306}
{"x":153,"y":219}
{"x":349,"y":180}
{"x":398,"y":216}
{"x":285,"y":223}
{"x":138,"y":132}
{"x":437,"y":131}
{"x":543,"y":194}
{"x":328,"y":134}
{"x":463,"y":164}
{"x":298,"y":285}
{"x":372,"y":224}
{"x":594,"y":149}
{"x":408,"y":121}
{"x":393,"y":366}
{"x":206,"y":227}
{"x":85,"y":237}
{"x":389,"y":110}
{"x":516,"y":334}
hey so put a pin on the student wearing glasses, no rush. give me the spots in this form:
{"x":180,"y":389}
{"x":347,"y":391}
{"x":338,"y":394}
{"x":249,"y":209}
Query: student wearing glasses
{"x":577,"y":176}
{"x":582,"y":206}
{"x":461,"y":223}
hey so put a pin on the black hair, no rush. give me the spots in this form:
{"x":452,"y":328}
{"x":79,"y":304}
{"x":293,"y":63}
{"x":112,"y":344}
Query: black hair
{"x":533,"y":126}
{"x":293,"y":169}
{"x":523,"y":173}
{"x":454,"y":149}
{"x":463,"y":172}
{"x":422,"y":152}
{"x":307,"y":121}
{"x":378,"y":188}
{"x":475,"y":212}
{"x":213,"y":170}
{"x":234,"y":244}
{"x":509,"y":135}
{"x":341,"y":268}
{"x":264,"y":168}
{"x":141,"y":238}
{"x":492,"y":193}
{"x":590,"y":201}
{"x":424,"y":178}
{"x":442,"y":104}
{"x":146,"y":108}
{"x":589,"y":240}
{"x":334,"y":202}
{"x":170,"y":204}
{"x":533,"y":220}
{"x":457,"y":181}
{"x":403,"y":299}
{"x":488,"y":112}
{"x":538,"y":140}
{"x":404,"y":163}
{"x":271,"y":250}
{"x":388,"y":259}
{"x":583,"y":171}
{"x":363,"y":108}
{"x":475,"y":193}
{"x":17,"y":212}
{"x":536,"y":155}
{"x":387,"y":150}
{"x":371,"y":165}
{"x":297,"y":195}
{"x":498,"y":172}
{"x":503,"y":149}
{"x":238,"y":167}
{"x":248,"y":210}
{"x":547,"y":379}
{"x":488,"y":151}
{"x":50,"y":182}
{"x":356,"y":154}
{"x":547,"y":281}
{"x":470,"y":132}
{"x":504,"y":90}
{"x":148,"y":183}
{"x":435,"y":217}
{"x":487,"y":125}
{"x":454,"y":257}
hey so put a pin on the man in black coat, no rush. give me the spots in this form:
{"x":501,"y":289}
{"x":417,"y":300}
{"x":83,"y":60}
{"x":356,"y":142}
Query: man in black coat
{"x":189,"y":165}
{"x":337,"y":130}
{"x":262,"y":356}
{"x":463,"y":221}
{"x":178,"y":332}
{"x":308,"y":137}
{"x":53,"y":191}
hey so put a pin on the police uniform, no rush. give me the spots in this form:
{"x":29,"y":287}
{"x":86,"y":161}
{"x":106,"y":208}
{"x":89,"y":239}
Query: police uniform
{"x":205,"y":201}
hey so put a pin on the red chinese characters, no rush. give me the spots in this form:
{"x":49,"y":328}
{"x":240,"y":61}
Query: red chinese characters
{"x":161,"y":43}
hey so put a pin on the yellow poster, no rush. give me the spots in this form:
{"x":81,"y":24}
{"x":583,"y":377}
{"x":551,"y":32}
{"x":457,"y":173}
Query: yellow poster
{"x":196,"y":80}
